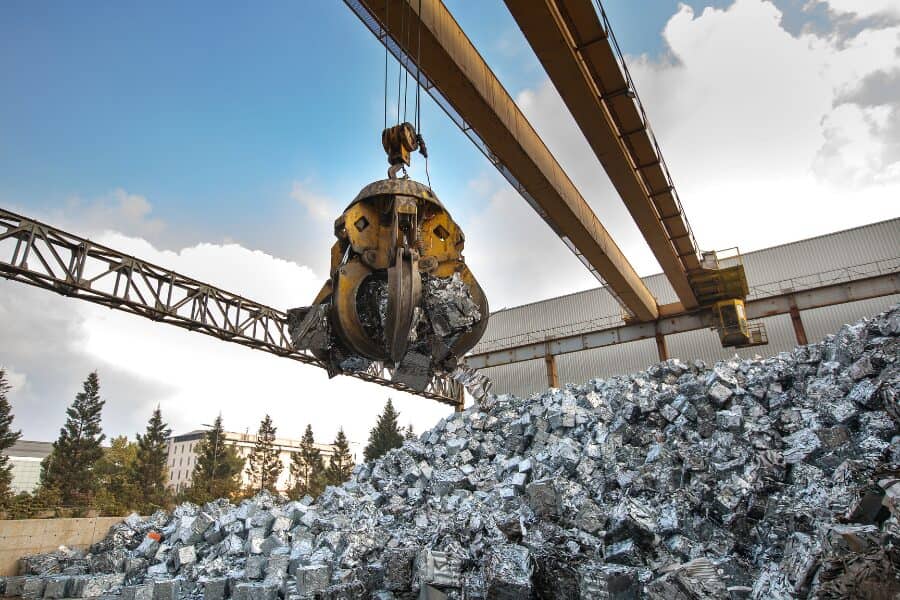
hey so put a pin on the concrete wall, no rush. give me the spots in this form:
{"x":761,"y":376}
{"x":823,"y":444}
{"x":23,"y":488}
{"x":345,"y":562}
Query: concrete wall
{"x":19,"y":538}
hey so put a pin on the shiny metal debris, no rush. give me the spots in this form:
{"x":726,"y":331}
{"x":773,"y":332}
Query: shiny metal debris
{"x":757,"y":479}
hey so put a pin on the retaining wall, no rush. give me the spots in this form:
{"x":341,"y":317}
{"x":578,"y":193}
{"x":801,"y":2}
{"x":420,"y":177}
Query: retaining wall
{"x":19,"y":538}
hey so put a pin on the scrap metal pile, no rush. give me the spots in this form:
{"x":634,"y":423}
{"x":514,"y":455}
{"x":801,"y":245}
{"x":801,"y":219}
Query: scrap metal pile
{"x":764,"y":478}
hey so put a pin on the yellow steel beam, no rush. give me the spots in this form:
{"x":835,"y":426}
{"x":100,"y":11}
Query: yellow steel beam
{"x":428,"y":32}
{"x":578,"y":54}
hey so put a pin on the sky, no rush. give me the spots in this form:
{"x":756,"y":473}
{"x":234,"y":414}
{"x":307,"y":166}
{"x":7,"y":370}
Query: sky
{"x":222,"y":139}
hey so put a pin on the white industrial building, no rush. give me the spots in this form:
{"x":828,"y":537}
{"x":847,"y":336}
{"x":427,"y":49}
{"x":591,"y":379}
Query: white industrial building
{"x":847,"y":255}
{"x":183,"y":456}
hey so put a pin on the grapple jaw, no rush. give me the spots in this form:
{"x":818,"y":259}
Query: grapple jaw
{"x":400,"y":292}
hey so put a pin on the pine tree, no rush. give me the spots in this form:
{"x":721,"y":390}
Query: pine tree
{"x":385,"y":435}
{"x":69,"y":468}
{"x":8,"y":437}
{"x":307,"y":467}
{"x":117,"y":494}
{"x":148,"y":473}
{"x":409,"y":434}
{"x":340,"y":464}
{"x":217,"y":472}
{"x":265,"y":460}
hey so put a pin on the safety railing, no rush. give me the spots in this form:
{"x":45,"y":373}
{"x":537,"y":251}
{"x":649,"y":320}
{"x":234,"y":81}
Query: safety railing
{"x":757,"y":291}
{"x":831,"y":277}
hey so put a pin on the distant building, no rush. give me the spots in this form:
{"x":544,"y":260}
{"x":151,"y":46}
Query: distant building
{"x":837,"y":257}
{"x":25,"y":459}
{"x":183,"y":456}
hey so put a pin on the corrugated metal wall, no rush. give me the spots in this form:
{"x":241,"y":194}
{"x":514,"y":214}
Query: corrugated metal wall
{"x":878,"y":241}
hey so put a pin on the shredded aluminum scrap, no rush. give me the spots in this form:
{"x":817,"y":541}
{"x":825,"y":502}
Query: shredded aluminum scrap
{"x":447,"y":312}
{"x":764,"y":478}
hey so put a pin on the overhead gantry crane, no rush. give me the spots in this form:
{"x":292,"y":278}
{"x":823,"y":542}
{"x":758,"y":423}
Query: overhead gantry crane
{"x":577,"y":48}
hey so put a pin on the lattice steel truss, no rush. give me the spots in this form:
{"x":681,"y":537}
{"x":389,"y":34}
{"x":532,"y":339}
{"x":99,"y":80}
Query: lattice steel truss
{"x":44,"y":256}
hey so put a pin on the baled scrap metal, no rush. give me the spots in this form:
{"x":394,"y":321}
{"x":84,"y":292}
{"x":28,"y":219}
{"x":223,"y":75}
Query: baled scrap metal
{"x":765,"y":478}
{"x":214,"y":588}
{"x":312,"y":578}
{"x":167,"y":589}
{"x":95,"y":585}
{"x":33,"y":587}
{"x":508,"y":572}
{"x":440,"y":568}
{"x":185,"y":555}
{"x":138,"y":592}
{"x":58,"y":586}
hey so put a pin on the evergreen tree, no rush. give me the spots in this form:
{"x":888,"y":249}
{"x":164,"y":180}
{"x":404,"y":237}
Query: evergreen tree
{"x":217,"y":472}
{"x":385,"y":435}
{"x":8,"y":437}
{"x":69,"y":468}
{"x":340,"y":464}
{"x":307,"y":467}
{"x":409,"y":434}
{"x":265,"y":461}
{"x":117,"y":493}
{"x":148,"y":472}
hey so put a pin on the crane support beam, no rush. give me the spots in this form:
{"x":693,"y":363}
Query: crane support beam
{"x":425,"y":35}
{"x":52,"y":259}
{"x":828,"y":295}
{"x":580,"y":55}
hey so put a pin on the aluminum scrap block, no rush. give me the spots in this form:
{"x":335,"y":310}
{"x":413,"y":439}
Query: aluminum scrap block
{"x":429,"y":592}
{"x":439,"y":568}
{"x":13,"y":585}
{"x":93,"y":586}
{"x":611,"y":582}
{"x":185,"y":555}
{"x":215,"y":588}
{"x":138,"y":592}
{"x":312,"y":578}
{"x":398,"y":566}
{"x":507,"y":572}
{"x":719,"y":394}
{"x":801,"y":445}
{"x":158,"y":570}
{"x":264,"y":590}
{"x":543,"y":498}
{"x":255,"y":567}
{"x":245,"y":590}
{"x":33,"y":587}
{"x":58,"y":586}
{"x":167,"y":589}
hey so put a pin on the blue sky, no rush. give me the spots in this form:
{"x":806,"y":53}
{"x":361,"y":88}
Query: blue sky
{"x":211,"y":110}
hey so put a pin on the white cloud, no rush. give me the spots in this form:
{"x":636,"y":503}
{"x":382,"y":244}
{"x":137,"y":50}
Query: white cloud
{"x":118,"y":210}
{"x":756,"y":126}
{"x":318,"y":205}
{"x":864,"y":8}
{"x":15,"y":380}
{"x":514,"y":255}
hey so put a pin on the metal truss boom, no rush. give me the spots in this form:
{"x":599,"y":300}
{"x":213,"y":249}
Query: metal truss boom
{"x":46,"y":257}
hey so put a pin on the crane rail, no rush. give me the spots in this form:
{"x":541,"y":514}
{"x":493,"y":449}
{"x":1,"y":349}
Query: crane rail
{"x":44,"y":256}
